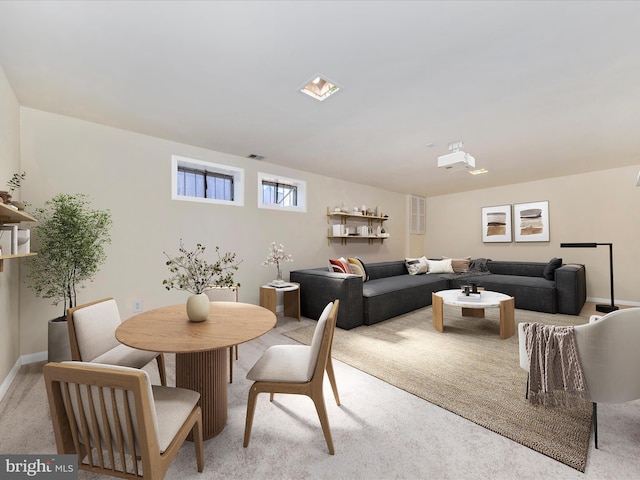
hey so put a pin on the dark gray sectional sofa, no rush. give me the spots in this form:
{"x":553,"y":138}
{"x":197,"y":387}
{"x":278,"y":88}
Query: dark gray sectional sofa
{"x":391,"y":291}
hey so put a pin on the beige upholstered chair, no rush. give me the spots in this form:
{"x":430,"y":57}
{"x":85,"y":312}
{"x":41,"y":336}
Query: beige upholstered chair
{"x":92,"y":338}
{"x":296,"y":369}
{"x":608,"y":351}
{"x":225,"y":294}
{"x":116,"y":422}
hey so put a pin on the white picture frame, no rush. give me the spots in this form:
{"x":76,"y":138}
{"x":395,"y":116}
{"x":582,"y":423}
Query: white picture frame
{"x":496,"y":224}
{"x":531,"y":221}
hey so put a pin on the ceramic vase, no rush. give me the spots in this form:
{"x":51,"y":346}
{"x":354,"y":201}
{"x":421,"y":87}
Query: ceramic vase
{"x":198,"y":307}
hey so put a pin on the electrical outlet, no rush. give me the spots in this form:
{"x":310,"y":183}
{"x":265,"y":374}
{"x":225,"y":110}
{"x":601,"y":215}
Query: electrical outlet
{"x":137,"y":306}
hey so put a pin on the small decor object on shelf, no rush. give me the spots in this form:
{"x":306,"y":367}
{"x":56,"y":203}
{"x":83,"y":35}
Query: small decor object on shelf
{"x":277,"y":255}
{"x":192,"y":273}
{"x":14,"y":184}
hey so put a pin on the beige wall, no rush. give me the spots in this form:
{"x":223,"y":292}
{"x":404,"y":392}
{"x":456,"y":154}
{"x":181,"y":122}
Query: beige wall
{"x":9,"y":279}
{"x":129,"y":174}
{"x":601,"y":206}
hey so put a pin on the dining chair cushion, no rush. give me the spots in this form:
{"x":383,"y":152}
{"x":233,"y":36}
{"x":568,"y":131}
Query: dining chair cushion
{"x":173,"y":406}
{"x":282,"y":363}
{"x":291,"y":363}
{"x":95,"y":326}
{"x":125,"y":356}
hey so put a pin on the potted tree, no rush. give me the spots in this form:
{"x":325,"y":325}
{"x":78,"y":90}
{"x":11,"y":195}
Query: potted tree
{"x":71,"y":238}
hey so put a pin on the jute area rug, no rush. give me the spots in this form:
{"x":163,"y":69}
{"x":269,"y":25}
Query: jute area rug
{"x":469,"y":371}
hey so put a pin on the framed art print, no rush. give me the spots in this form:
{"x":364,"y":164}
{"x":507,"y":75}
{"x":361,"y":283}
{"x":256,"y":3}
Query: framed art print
{"x":496,"y":224}
{"x":531,"y":221}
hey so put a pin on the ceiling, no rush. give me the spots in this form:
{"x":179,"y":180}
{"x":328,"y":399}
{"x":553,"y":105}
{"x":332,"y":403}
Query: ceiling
{"x":533,"y":89}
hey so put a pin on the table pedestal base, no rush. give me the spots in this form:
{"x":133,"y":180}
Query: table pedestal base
{"x":192,"y":370}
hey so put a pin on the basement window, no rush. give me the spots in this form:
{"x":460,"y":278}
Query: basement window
{"x":200,"y":181}
{"x":279,"y":193}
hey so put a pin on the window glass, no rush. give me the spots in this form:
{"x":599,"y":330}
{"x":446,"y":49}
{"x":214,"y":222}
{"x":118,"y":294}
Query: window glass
{"x":196,"y":180}
{"x":281,"y":193}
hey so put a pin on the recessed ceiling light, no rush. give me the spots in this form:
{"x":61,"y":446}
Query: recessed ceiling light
{"x":479,"y":171}
{"x":319,"y":88}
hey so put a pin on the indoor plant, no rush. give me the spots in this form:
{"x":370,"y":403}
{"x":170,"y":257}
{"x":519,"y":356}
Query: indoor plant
{"x":14,"y":184}
{"x":277,"y":255}
{"x":194,"y":274}
{"x":71,"y":238}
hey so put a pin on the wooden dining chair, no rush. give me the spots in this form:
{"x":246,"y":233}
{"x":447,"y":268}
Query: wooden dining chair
{"x":225,"y":294}
{"x":92,"y":338}
{"x":117,"y":422}
{"x":298,"y":370}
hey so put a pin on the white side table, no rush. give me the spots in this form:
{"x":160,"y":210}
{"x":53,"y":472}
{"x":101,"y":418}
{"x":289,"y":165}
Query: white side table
{"x":291,"y":299}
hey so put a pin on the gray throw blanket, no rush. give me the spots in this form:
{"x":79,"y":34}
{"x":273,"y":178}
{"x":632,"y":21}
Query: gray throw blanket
{"x":554,"y":365}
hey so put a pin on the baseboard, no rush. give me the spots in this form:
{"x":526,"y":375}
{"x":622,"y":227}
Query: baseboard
{"x":617,"y":302}
{"x":24,"y":360}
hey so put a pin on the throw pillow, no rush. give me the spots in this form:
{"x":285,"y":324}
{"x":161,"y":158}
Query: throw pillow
{"x":440,"y":266}
{"x":339,"y":265}
{"x":357,"y":268}
{"x":364,"y":269}
{"x":459,"y":265}
{"x":416,"y":266}
{"x":550,"y":268}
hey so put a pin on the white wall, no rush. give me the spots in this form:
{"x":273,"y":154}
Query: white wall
{"x":601,"y":206}
{"x":9,"y":279}
{"x":129,"y":174}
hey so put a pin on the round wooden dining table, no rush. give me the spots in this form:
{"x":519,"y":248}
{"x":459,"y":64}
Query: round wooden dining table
{"x":200,"y":348}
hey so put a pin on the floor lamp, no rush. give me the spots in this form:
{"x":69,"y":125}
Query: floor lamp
{"x":599,"y":307}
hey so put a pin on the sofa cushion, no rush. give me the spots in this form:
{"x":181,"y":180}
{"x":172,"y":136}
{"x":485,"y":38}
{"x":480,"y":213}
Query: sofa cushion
{"x":416,"y":266}
{"x":524,"y":269}
{"x":386,"y":269}
{"x":386,"y":298}
{"x":364,"y":268}
{"x":339,"y":265}
{"x":440,"y":266}
{"x":550,"y":269}
{"x":357,"y":268}
{"x":530,"y":293}
{"x":459,"y":265}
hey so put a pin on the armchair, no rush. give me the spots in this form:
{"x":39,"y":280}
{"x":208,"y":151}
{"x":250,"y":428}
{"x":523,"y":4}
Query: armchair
{"x":608,"y":351}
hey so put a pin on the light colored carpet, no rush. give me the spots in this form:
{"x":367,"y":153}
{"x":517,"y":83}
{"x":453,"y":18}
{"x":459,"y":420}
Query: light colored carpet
{"x":469,"y":371}
{"x":380,"y":432}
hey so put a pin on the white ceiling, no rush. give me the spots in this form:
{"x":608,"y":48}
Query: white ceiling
{"x":534,"y":89}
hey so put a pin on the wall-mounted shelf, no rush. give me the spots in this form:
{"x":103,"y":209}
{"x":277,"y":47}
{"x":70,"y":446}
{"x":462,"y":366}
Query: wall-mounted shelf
{"x":10,"y":215}
{"x":355,"y":220}
{"x":7,"y":257}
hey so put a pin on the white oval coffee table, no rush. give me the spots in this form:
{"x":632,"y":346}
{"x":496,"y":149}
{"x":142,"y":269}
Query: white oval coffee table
{"x":475,"y":308}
